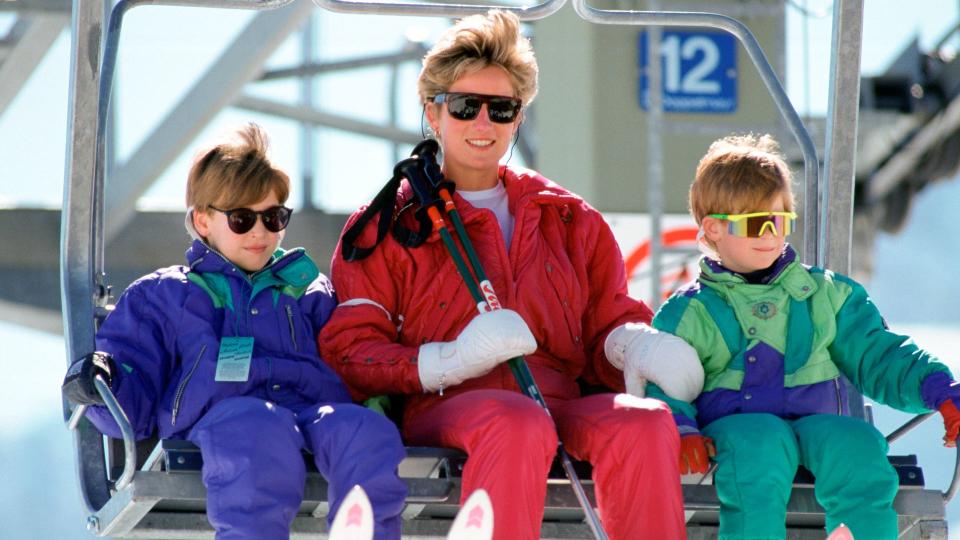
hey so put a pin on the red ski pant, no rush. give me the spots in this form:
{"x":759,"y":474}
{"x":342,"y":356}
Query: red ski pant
{"x":510,"y":441}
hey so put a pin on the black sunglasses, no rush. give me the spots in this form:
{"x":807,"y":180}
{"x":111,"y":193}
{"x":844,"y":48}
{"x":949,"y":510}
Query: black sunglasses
{"x":241,"y":220}
{"x":464,"y":106}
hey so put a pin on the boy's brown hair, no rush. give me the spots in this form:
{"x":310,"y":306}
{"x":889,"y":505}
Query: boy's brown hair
{"x":235,"y":173}
{"x":738,"y":174}
{"x":475,"y":42}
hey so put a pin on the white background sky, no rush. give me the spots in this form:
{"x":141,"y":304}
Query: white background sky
{"x":163,"y":49}
{"x":33,"y":132}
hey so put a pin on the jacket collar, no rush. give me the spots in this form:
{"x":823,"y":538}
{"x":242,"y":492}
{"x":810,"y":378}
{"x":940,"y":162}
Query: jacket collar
{"x":787,"y":273}
{"x":289,"y":267}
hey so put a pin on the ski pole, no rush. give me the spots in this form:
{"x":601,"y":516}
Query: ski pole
{"x":487,"y":300}
{"x":518,"y":365}
{"x":425,"y":167}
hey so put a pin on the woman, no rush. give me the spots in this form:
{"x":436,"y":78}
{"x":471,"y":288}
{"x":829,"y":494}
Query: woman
{"x":407,"y":325}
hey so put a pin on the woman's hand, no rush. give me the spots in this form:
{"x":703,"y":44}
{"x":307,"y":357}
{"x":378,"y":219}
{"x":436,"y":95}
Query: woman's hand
{"x":646,"y":354}
{"x":490,"y":339}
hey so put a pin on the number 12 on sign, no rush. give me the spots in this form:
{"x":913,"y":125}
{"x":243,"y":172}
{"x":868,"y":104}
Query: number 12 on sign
{"x":699,"y":72}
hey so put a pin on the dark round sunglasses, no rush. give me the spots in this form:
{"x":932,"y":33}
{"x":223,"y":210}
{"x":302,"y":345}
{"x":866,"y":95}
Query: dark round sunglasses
{"x":465,"y":106}
{"x":241,"y":220}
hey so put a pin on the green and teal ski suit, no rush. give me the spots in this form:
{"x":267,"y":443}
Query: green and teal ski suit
{"x":773,"y":398}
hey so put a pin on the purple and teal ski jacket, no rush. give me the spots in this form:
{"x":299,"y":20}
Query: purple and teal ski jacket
{"x":166,"y":330}
{"x":780,"y":347}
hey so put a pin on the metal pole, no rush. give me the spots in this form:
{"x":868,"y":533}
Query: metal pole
{"x":839,"y":161}
{"x":438,"y":9}
{"x":307,"y":158}
{"x":77,"y":227}
{"x":394,"y":106}
{"x":654,"y":156}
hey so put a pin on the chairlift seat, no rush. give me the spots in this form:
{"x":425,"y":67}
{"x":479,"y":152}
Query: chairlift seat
{"x":167,"y":499}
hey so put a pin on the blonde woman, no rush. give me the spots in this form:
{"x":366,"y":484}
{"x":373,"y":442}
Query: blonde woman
{"x":406,"y":324}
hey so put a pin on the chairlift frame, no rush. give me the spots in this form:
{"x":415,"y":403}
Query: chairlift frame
{"x":124,"y":506}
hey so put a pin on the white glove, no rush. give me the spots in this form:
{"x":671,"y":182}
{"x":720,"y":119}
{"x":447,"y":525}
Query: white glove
{"x":490,"y":338}
{"x":644,"y":353}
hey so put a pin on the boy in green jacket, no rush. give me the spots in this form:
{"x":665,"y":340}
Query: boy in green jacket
{"x":774,"y":336}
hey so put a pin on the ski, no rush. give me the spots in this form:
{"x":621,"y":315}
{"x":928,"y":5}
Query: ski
{"x":841,"y":533}
{"x":474,"y":521}
{"x":354,"y":519}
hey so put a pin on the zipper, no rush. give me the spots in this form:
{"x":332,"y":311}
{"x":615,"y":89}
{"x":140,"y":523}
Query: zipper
{"x":293,"y":332}
{"x":183,"y":386}
{"x":836,"y":384}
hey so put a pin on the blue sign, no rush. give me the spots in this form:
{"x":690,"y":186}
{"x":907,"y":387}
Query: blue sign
{"x":698,"y":70}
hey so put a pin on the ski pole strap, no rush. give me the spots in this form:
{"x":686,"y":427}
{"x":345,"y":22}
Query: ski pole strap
{"x":382,"y":204}
{"x":408,"y":237}
{"x":423,"y":173}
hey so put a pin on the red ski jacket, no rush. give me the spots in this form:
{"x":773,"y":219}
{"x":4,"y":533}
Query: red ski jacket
{"x":564,"y":275}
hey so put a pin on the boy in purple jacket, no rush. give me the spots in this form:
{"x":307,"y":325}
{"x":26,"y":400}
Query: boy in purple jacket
{"x":223,"y":352}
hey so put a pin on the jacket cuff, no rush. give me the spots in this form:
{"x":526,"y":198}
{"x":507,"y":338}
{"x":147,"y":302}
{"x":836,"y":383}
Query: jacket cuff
{"x":685,"y":424}
{"x":937,"y":388}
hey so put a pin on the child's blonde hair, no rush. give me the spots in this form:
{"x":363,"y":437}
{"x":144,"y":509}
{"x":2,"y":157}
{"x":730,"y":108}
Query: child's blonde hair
{"x":738,"y":174}
{"x":235,"y":173}
{"x":473,"y":43}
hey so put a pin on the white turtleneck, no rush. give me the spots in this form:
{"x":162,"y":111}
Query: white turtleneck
{"x":495,"y":200}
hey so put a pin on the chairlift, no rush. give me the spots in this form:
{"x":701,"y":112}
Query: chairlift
{"x":153,"y":489}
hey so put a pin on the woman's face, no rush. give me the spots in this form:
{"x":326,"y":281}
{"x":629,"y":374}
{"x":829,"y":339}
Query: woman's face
{"x":472,"y":148}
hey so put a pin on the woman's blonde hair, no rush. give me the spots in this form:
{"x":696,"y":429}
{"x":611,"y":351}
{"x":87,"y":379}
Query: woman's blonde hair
{"x":235,"y":173}
{"x":473,"y":43}
{"x":740,"y":173}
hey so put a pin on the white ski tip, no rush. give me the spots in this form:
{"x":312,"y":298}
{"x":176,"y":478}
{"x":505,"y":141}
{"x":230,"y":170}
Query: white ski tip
{"x":841,"y":533}
{"x":474,"y":521}
{"x":354,"y":519}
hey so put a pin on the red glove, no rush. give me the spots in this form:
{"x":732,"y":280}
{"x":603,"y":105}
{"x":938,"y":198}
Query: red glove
{"x":951,"y":422}
{"x":695,"y":453}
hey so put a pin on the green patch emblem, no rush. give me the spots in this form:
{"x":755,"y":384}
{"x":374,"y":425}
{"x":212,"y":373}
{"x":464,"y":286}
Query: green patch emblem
{"x":764,"y":310}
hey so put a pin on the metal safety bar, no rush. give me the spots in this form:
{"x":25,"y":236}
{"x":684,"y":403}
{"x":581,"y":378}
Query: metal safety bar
{"x":951,"y":491}
{"x":526,"y":13}
{"x":811,"y":226}
{"x":129,"y":441}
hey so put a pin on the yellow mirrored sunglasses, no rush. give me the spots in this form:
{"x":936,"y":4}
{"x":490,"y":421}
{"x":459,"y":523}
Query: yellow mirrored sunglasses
{"x":756,"y":223}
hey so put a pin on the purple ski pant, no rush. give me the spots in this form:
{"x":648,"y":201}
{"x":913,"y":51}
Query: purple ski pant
{"x":254,"y":472}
